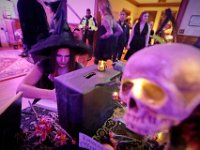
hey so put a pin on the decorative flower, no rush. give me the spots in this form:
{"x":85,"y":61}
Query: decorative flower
{"x":60,"y":138}
{"x":47,"y":129}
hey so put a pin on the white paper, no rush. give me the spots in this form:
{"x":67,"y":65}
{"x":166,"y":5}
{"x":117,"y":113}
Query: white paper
{"x":89,"y":143}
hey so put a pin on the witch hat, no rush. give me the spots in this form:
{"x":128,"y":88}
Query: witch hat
{"x":61,"y":37}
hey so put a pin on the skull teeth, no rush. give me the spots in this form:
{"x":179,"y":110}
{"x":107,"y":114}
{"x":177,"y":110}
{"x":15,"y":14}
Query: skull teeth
{"x":152,"y":119}
{"x":146,"y":124}
{"x":143,"y":131}
{"x":143,"y":119}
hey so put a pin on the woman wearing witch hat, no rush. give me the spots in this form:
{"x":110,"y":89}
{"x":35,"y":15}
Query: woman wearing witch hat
{"x":59,"y":51}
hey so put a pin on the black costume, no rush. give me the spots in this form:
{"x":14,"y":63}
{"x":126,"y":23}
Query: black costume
{"x":104,"y":47}
{"x":46,"y":67}
{"x":122,"y":40}
{"x":138,"y":40}
{"x":151,"y":36}
{"x":33,"y":22}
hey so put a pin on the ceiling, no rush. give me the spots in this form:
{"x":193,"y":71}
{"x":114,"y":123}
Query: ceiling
{"x":155,"y":3}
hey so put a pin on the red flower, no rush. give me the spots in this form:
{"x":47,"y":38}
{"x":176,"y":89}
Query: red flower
{"x":47,"y":128}
{"x":60,"y":138}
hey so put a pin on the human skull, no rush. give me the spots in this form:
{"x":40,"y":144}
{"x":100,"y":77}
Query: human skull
{"x":161,"y":86}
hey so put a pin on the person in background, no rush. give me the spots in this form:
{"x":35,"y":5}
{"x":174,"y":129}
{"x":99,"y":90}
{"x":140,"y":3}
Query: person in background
{"x":168,"y":28}
{"x":107,"y":34}
{"x":77,"y":34}
{"x":123,"y":38}
{"x":33,"y":22}
{"x":139,"y":37}
{"x":88,"y":25}
{"x":82,"y":59}
{"x":151,"y":33}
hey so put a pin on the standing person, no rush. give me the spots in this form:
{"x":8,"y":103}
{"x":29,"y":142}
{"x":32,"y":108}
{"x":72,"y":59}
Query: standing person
{"x":151,"y":33}
{"x":107,"y":34}
{"x":168,"y":18}
{"x":139,"y":36}
{"x":83,"y":59}
{"x":88,"y":25}
{"x":123,"y":38}
{"x":33,"y":22}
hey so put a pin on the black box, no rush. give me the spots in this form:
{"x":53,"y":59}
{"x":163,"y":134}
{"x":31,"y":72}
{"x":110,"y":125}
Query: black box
{"x":10,"y":119}
{"x":83,"y":106}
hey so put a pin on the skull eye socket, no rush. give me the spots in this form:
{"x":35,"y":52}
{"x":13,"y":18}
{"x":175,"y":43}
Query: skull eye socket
{"x":153,"y":91}
{"x":148,"y":92}
{"x":132,"y":103}
{"x":126,"y":87}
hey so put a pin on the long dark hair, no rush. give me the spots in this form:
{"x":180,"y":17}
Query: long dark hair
{"x":71,"y":65}
{"x":169,"y":17}
{"x":105,"y":6}
{"x":141,"y":15}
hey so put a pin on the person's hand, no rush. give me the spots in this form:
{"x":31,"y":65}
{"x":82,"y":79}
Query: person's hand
{"x":118,"y":65}
{"x":128,"y":47}
{"x":104,"y":36}
{"x":52,"y":94}
{"x":51,"y":77}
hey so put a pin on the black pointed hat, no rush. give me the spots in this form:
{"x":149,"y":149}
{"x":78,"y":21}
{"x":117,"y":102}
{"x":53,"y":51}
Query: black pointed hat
{"x":61,"y":37}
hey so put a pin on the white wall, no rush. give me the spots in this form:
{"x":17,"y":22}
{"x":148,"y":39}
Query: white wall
{"x":8,"y":12}
{"x":79,"y":6}
{"x":190,"y":24}
{"x":118,"y":5}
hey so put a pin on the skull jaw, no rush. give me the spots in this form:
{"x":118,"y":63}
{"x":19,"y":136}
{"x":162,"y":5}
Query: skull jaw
{"x":147,"y":125}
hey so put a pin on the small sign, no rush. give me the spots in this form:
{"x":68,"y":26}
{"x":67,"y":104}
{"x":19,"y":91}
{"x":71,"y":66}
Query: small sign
{"x":195,"y":20}
{"x":89,"y":143}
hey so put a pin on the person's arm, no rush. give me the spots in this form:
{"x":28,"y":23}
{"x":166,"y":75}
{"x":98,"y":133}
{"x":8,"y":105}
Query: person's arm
{"x":82,"y":23}
{"x":27,"y":86}
{"x":147,"y":36}
{"x":131,"y":36}
{"x":42,"y":3}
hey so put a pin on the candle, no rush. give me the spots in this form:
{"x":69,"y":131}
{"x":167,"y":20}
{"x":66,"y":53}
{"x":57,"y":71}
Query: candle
{"x":101,"y":65}
{"x":115,"y":96}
